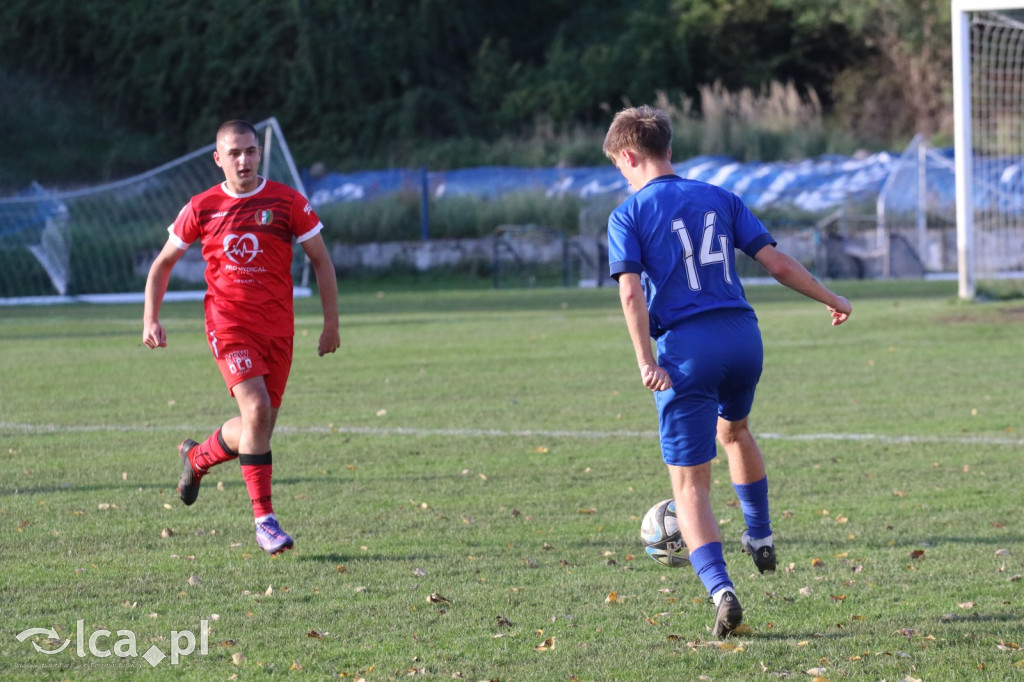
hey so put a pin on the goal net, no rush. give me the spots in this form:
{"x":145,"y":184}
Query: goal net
{"x":97,"y":243}
{"x":988,"y":95}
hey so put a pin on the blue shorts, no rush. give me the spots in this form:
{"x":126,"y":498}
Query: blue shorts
{"x":715,"y":362}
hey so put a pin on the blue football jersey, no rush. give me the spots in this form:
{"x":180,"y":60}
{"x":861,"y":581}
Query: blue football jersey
{"x":680,"y":236}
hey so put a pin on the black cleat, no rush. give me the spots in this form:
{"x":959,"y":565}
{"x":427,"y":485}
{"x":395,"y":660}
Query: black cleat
{"x":188,"y":484}
{"x":764,"y":558}
{"x":728,"y":615}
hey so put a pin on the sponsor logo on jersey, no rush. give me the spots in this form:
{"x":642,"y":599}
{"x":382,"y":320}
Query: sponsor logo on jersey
{"x":241,"y":249}
{"x":264,"y":217}
{"x":219,"y":215}
{"x":308,"y":209}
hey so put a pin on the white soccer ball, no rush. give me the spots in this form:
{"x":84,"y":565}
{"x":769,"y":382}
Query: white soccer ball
{"x":661,"y":537}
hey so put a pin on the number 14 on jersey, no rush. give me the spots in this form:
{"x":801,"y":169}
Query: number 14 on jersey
{"x":708,"y":255}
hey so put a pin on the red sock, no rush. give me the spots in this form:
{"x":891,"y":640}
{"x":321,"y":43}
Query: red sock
{"x":257,"y":470}
{"x":212,"y":451}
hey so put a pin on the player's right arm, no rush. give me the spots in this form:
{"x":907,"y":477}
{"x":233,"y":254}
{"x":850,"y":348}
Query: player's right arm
{"x":788,"y":271}
{"x":634,"y":308}
{"x":153,"y":333}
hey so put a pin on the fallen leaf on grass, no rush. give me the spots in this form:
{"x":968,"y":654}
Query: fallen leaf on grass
{"x":547,"y":645}
{"x":917,"y":554}
{"x":315,"y":634}
{"x":503,"y":621}
{"x":817,"y":563}
{"x":611,"y":598}
{"x":435,"y":598}
{"x":296,"y":666}
{"x":1002,"y":552}
{"x":967,"y":604}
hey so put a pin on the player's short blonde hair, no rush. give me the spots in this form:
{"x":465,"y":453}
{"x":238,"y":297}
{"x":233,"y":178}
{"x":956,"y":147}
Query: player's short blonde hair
{"x":644,"y":130}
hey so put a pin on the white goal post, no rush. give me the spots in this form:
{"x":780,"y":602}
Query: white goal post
{"x":988,"y":110}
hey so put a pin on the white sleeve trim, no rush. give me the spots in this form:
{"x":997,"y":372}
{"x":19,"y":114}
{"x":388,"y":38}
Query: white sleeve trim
{"x":312,"y":233}
{"x":176,"y":239}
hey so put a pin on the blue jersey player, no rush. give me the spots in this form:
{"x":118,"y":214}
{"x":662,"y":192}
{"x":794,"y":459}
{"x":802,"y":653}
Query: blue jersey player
{"x":671,"y":248}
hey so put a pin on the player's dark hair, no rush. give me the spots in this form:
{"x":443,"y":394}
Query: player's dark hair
{"x":239,"y":127}
{"x":644,"y":129}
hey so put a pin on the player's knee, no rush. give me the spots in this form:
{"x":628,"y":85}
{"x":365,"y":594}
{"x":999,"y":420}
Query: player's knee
{"x":730,"y":433}
{"x":256,"y":409}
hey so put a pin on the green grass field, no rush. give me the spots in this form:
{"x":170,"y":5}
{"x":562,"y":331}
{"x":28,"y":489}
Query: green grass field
{"x":465,"y":479}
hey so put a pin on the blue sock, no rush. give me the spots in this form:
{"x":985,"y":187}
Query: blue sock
{"x":709,"y":564}
{"x":754,"y":503}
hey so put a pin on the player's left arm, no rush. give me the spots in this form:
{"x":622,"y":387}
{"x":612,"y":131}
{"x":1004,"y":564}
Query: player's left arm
{"x":327,"y":284}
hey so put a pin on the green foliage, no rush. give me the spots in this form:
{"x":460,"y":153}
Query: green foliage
{"x":359,"y":84}
{"x":496,"y":450}
{"x":58,"y":134}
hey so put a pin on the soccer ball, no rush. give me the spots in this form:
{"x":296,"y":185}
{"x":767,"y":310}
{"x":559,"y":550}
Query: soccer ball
{"x":661,"y":537}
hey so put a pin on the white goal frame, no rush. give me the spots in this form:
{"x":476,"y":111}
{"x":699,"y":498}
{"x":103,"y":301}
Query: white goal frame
{"x":963,"y":137}
{"x":132,"y":214}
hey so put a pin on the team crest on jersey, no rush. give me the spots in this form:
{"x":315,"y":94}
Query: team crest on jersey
{"x":241,"y":249}
{"x":264,"y":217}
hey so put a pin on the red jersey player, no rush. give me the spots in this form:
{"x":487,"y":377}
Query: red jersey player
{"x":246,"y":226}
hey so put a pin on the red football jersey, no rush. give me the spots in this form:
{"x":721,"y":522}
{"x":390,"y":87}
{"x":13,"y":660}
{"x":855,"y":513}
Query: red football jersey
{"x":247,"y":245}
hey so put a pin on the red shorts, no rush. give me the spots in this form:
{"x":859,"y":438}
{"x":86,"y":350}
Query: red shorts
{"x":242,"y":355}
